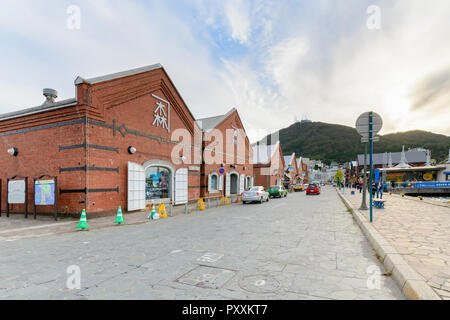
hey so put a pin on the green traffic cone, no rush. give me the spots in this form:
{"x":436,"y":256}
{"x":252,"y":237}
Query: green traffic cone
{"x":119,"y":218}
{"x":154,"y":215}
{"x":150,"y":216}
{"x":83,"y":221}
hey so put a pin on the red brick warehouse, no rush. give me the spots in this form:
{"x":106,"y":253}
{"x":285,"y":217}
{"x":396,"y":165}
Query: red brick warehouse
{"x":226,"y":148}
{"x":111,"y":145}
{"x":268,"y":165}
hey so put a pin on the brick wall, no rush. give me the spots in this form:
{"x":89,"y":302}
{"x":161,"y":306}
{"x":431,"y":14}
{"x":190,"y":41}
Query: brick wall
{"x":86,"y":146}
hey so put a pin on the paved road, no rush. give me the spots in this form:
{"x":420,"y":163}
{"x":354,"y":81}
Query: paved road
{"x":294,"y":248}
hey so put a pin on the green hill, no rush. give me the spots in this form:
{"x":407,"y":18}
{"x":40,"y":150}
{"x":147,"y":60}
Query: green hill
{"x":332,"y":142}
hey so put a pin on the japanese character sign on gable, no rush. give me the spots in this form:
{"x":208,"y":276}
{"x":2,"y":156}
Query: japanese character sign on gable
{"x":161,"y":114}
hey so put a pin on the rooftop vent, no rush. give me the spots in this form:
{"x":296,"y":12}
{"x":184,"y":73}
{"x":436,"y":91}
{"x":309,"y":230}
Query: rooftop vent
{"x":50,"y":96}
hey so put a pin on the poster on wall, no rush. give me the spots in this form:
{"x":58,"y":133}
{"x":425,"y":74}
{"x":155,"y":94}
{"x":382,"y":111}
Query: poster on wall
{"x":44,"y":193}
{"x":16,"y":192}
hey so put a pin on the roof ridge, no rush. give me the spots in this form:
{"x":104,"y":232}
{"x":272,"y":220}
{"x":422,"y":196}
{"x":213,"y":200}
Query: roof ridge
{"x":117,"y":75}
{"x":37,"y":109}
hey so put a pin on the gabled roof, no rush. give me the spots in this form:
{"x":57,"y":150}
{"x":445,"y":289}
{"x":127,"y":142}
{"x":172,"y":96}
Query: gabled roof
{"x":288,"y":159}
{"x":38,"y":109}
{"x":210,"y":123}
{"x":80,"y":80}
{"x":118,"y":75}
{"x":262,"y":154}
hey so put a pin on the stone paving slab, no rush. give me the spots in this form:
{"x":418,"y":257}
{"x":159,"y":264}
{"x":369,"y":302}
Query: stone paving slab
{"x":419,"y":231}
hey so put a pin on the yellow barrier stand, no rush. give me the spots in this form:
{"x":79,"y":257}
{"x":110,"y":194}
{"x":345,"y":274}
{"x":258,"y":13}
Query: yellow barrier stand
{"x":222,"y":201}
{"x":162,"y":211}
{"x":228,"y":200}
{"x":201,"y":204}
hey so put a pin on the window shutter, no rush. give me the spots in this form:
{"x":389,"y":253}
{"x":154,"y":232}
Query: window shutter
{"x":221,"y":183}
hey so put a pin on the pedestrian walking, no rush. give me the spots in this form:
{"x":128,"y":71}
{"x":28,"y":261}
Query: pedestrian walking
{"x":379,"y":189}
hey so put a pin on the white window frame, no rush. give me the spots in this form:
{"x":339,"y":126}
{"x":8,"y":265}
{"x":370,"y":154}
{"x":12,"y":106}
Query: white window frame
{"x":210,"y":188}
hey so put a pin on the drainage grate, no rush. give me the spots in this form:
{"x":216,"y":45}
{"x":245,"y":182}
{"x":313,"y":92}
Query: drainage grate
{"x":206,"y":277}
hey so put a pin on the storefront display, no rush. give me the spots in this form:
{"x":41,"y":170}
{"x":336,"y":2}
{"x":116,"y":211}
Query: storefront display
{"x":158,"y":184}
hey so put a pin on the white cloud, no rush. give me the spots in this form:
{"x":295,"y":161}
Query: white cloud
{"x":123,"y":36}
{"x":285,"y":61}
{"x":313,"y":58}
{"x":238,"y":16}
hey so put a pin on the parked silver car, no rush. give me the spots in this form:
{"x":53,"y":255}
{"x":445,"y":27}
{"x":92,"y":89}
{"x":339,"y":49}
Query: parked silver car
{"x":255,"y":194}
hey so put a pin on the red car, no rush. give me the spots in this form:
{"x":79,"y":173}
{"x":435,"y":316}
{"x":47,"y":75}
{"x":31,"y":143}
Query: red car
{"x":313,"y":189}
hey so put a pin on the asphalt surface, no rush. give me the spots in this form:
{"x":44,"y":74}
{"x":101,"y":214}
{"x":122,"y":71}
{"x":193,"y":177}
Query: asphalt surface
{"x":299,"y":247}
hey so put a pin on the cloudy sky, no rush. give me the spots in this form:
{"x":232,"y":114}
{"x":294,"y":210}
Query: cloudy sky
{"x":273,"y":60}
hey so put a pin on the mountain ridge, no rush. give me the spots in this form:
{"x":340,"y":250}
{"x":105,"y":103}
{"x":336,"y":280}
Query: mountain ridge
{"x":340,"y":143}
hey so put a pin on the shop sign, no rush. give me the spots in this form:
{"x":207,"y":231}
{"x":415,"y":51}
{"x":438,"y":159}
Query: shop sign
{"x":161,"y":113}
{"x":432,"y":185}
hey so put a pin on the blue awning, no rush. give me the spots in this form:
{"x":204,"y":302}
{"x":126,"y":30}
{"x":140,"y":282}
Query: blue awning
{"x":446,"y":172}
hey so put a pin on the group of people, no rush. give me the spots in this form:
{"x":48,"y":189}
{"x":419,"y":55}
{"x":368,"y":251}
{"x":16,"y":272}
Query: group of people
{"x":377,"y":187}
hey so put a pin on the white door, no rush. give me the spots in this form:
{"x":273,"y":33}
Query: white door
{"x":227,"y":185}
{"x":136,"y":187}
{"x":181,"y":186}
{"x":209,"y":183}
{"x":241,"y":184}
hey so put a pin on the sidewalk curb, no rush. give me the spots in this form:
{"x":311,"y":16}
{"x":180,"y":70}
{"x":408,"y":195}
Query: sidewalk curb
{"x":411,"y":198}
{"x":412,"y":284}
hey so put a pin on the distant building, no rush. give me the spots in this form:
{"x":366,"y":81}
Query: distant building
{"x":302,"y":173}
{"x":413,"y":158}
{"x":268,"y":165}
{"x":305,"y":120}
{"x":291,"y":176}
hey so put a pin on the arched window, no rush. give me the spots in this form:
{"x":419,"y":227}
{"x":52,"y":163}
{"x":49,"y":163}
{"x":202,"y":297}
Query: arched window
{"x":213,"y":182}
{"x":158,"y":183}
{"x":248,"y":183}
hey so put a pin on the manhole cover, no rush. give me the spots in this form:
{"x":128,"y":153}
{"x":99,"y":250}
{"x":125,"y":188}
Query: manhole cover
{"x":259,"y":284}
{"x":206,"y":277}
